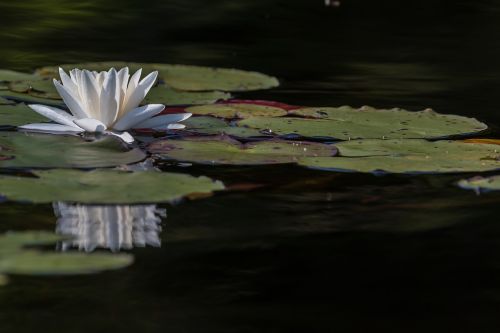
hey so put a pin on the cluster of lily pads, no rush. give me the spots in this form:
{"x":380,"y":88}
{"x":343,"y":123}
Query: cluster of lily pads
{"x":43,"y":168}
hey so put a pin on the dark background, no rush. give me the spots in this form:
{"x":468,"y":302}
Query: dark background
{"x":313,"y":251}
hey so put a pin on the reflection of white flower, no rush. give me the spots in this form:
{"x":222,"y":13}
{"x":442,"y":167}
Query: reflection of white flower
{"x":112,"y":227}
{"x":102,"y":101}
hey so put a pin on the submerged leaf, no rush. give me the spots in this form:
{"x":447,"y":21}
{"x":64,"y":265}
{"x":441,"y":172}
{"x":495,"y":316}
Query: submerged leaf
{"x":23,"y":150}
{"x":223,"y":150}
{"x":183,"y":77}
{"x":104,"y":186}
{"x":409,"y":156}
{"x":346,"y":123}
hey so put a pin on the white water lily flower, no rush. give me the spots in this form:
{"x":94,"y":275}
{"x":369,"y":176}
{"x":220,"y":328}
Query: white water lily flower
{"x":105,"y":102}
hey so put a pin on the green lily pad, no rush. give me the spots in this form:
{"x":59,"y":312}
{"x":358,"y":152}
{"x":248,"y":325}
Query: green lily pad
{"x":223,"y":150}
{"x":36,"y":88}
{"x":16,"y":259}
{"x":30,"y":99}
{"x":346,"y":123}
{"x":235,"y":110}
{"x":409,"y":156}
{"x":8,"y":76}
{"x":481,"y":184}
{"x":28,"y":150}
{"x":182,"y":77}
{"x":214,"y":126}
{"x":104,"y":186}
{"x":17,"y":115}
{"x":4,"y":101}
{"x":162,"y":94}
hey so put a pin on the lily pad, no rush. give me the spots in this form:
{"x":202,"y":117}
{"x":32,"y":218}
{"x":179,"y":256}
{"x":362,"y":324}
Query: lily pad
{"x":215,"y":126}
{"x":28,"y":150}
{"x":37,"y":88}
{"x":16,"y":259}
{"x":17,"y":115}
{"x":409,"y":156}
{"x":162,"y":94}
{"x":481,"y":184}
{"x":8,"y":76}
{"x":104,"y":186}
{"x":183,"y":77}
{"x":223,"y":150}
{"x":234,"y":110}
{"x":345,"y":123}
{"x":4,"y":101}
{"x":30,"y":99}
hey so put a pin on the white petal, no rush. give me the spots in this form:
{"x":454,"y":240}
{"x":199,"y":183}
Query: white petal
{"x":54,"y":114}
{"x":109,"y":100}
{"x":68,"y":82}
{"x":91,"y":125}
{"x":50,"y":128}
{"x":137,"y":116}
{"x":90,"y":95}
{"x":75,"y":76}
{"x":123,"y":77}
{"x":163,"y":120}
{"x":136,"y":96}
{"x":71,"y":101}
{"x":125,"y":136}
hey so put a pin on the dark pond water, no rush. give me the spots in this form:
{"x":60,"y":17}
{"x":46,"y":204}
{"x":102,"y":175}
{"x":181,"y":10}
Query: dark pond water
{"x":311,"y":251}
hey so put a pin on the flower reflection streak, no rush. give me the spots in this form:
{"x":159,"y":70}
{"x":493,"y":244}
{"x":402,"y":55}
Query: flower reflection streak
{"x":112,"y":227}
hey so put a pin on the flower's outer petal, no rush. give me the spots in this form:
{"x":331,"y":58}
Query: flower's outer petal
{"x":68,"y":82}
{"x":163,"y":120}
{"x":91,"y":125}
{"x":137,"y":116}
{"x":140,"y":92}
{"x":71,"y":101}
{"x":109,"y":99}
{"x":54,"y":114}
{"x":125,"y":136}
{"x":50,"y":128}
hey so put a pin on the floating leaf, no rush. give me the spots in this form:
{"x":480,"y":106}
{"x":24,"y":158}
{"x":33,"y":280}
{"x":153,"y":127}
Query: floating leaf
{"x":4,"y":101}
{"x":234,"y":110}
{"x":345,"y":123}
{"x":19,"y":149}
{"x":409,"y":156}
{"x":8,"y":76}
{"x":489,"y":141}
{"x":223,"y":150}
{"x":481,"y":184}
{"x":162,"y":94}
{"x":275,"y":104}
{"x":104,"y":186}
{"x":30,"y":99}
{"x":211,"y":126}
{"x":17,"y":115}
{"x":15,"y":259}
{"x":37,"y":88}
{"x":182,"y":77}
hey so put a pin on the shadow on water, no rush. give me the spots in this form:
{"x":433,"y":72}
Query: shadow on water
{"x":309,"y":251}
